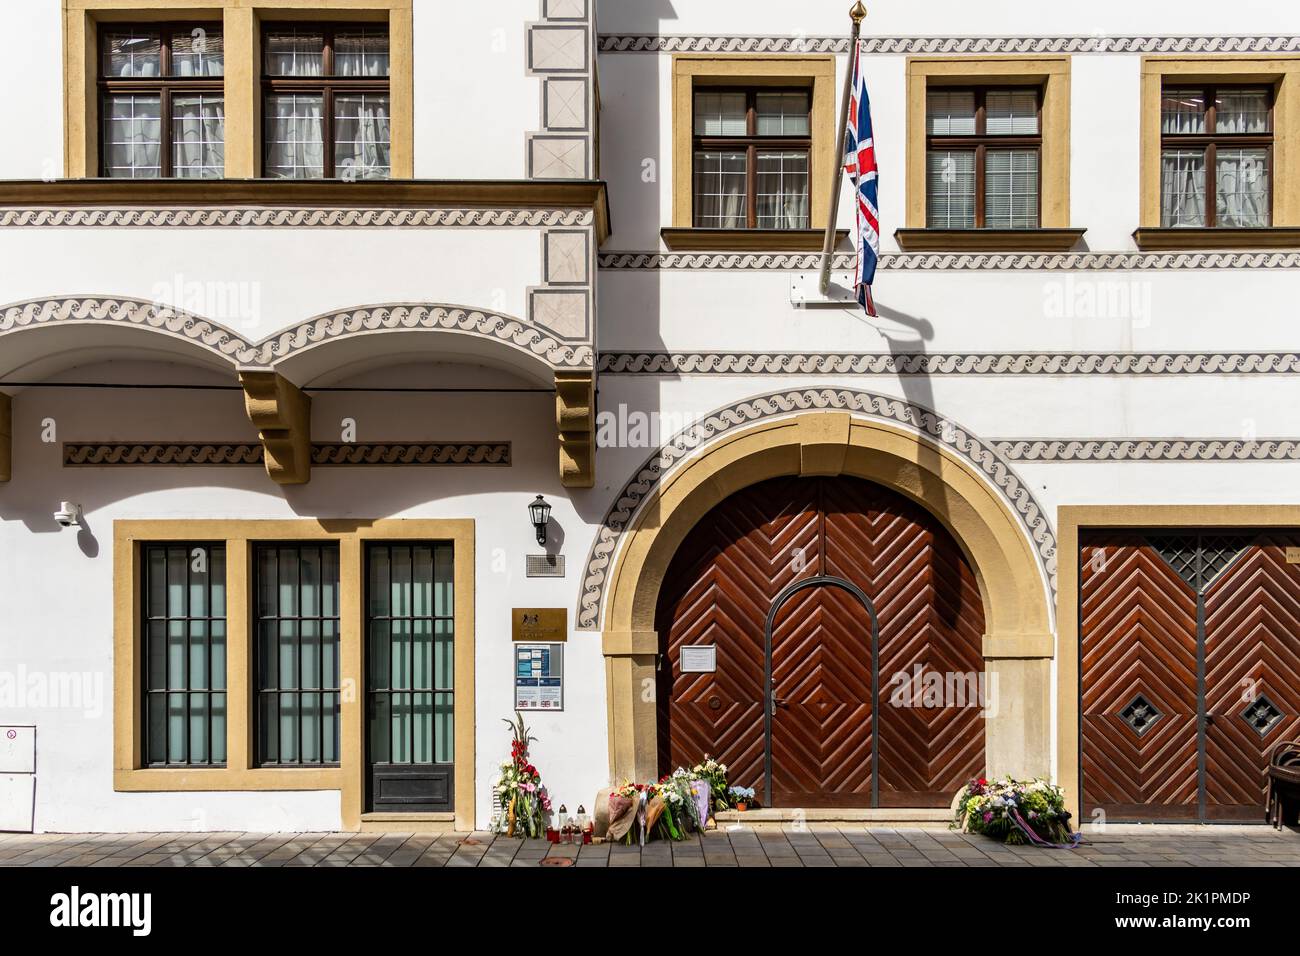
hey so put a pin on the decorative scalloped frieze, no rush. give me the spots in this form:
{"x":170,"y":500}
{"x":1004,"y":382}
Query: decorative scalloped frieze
{"x":293,"y":217}
{"x":949,"y":363}
{"x":412,"y":316}
{"x":1146,"y":449}
{"x":135,"y":454}
{"x":983,"y":458}
{"x":953,"y":261}
{"x":411,"y":453}
{"x":898,"y":45}
{"x":232,"y":348}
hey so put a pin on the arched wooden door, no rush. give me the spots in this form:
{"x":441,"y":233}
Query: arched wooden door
{"x":718,"y":591}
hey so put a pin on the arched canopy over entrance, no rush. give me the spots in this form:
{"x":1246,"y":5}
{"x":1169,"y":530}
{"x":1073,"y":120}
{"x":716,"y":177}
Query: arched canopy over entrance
{"x":40,"y":337}
{"x":906,"y":455}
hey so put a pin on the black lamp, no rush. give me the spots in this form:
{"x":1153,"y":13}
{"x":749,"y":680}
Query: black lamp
{"x":540,"y":513}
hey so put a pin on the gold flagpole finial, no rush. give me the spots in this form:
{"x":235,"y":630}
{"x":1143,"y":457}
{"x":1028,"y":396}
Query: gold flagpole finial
{"x":858,"y":13}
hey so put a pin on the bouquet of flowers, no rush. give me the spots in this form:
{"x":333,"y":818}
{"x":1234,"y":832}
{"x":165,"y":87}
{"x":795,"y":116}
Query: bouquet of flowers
{"x":669,"y":809}
{"x":522,"y":797}
{"x":714,"y":773}
{"x":1015,"y":811}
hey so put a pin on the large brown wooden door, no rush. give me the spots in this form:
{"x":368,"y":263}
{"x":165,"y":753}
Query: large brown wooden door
{"x":719,"y":589}
{"x":822,"y":699}
{"x":1190,"y":649}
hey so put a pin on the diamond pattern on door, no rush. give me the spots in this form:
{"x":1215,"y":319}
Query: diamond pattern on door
{"x":1150,"y":608}
{"x":1137,"y":634}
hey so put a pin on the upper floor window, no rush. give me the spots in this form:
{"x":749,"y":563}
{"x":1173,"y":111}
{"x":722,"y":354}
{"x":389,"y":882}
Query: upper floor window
{"x":327,"y":101}
{"x":751,"y":158}
{"x":162,"y":105}
{"x":1216,"y":147}
{"x":983,"y":158}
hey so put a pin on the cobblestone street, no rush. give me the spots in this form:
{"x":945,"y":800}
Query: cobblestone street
{"x":817,"y":846}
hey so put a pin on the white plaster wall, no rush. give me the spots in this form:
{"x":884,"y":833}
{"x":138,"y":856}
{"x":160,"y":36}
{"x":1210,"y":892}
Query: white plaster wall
{"x":259,"y":281}
{"x":474,"y":100}
{"x":1105,"y":109}
{"x":31,"y":74}
{"x":57,"y":600}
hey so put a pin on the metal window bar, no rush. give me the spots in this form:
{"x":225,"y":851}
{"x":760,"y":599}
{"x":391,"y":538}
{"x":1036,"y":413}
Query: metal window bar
{"x":155,"y":698}
{"x":386,"y":690}
{"x":271,"y":688}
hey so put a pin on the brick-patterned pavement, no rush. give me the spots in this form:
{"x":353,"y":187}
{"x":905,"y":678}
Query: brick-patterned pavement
{"x":818,"y":845}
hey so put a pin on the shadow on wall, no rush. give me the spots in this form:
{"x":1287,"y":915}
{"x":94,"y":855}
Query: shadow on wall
{"x":46,"y":418}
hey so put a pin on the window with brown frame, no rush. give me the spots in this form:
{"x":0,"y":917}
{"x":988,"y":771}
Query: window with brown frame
{"x":327,"y":101}
{"x":751,"y":156}
{"x":162,"y":102}
{"x":1216,"y":150}
{"x":984,"y":150}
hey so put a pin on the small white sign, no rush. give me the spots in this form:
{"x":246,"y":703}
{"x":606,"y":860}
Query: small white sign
{"x":17,"y":749}
{"x":698,"y":658}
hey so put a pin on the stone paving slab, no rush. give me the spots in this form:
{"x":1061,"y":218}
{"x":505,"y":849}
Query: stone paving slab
{"x":732,"y":846}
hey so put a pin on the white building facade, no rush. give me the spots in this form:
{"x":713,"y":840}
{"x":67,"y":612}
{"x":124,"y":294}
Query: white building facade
{"x":305,"y":302}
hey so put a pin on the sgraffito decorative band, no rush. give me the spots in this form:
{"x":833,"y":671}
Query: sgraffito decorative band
{"x":229,"y":347}
{"x":949,"y":363}
{"x":984,"y":460}
{"x":1071,"y":450}
{"x":324,"y":454}
{"x":932,"y":45}
{"x":952,"y":261}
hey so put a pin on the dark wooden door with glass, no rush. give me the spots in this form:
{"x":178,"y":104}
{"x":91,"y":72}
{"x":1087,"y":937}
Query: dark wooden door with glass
{"x":410,"y":657}
{"x":1190,"y":654}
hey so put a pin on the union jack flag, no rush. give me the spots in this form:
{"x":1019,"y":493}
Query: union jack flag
{"x":860,"y":164}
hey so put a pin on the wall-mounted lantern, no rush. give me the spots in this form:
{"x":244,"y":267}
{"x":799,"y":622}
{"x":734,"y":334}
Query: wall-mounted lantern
{"x":540,"y":513}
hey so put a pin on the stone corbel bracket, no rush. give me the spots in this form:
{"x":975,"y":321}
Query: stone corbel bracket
{"x":575,"y":417}
{"x":282,"y":415}
{"x":6,"y":437}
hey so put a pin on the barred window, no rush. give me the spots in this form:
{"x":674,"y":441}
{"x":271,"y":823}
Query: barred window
{"x":162,"y":101}
{"x":297,"y":654}
{"x":983,"y":158}
{"x":411,"y":634}
{"x":1216,"y":150}
{"x":184,"y":620}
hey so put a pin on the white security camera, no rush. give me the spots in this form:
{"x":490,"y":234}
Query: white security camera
{"x":68,"y":515}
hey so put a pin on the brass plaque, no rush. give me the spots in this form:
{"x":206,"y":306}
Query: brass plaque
{"x":539,"y":625}
{"x":1293,"y":555}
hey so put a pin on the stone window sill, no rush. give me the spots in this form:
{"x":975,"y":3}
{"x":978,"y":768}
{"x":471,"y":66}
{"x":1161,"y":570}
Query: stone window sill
{"x":988,"y":240}
{"x":1152,"y":239}
{"x":749,"y":240}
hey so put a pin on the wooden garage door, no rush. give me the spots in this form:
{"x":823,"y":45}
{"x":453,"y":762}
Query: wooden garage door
{"x":719,"y":589}
{"x":1190,"y":649}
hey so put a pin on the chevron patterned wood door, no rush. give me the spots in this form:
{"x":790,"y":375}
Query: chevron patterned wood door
{"x":1252,"y":674}
{"x":722,"y":583}
{"x":718,"y":589}
{"x":1139,"y":710}
{"x":1145,"y":622}
{"x":821,"y":685}
{"x":931,"y":621}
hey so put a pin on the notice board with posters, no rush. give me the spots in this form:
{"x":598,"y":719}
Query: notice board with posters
{"x":539,"y":677}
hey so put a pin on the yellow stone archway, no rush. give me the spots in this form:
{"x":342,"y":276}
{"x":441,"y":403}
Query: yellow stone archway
{"x":1019,"y":639}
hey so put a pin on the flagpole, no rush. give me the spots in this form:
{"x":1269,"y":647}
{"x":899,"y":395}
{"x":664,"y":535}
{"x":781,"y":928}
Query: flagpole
{"x":857,"y":14}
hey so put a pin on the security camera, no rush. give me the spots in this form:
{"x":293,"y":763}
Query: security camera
{"x":68,"y":515}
